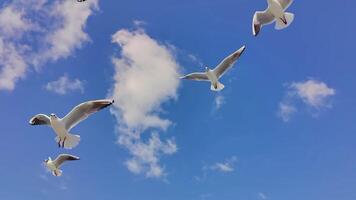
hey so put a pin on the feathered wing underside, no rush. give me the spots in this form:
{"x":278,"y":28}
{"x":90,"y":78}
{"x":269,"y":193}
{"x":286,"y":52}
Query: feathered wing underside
{"x":285,"y":3}
{"x":260,"y":19}
{"x":83,"y":111}
{"x":197,"y":76}
{"x":63,"y":158}
{"x":40,"y":119}
{"x":228,"y":62}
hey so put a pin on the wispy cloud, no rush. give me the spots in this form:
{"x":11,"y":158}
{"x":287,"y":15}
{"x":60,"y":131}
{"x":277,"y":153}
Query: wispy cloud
{"x":225,"y":167}
{"x":286,"y":110}
{"x":12,"y":65}
{"x":64,"y":85}
{"x":262,"y":196}
{"x":13,"y":22}
{"x":33,"y":33}
{"x":146,"y":77}
{"x":219,"y":101}
{"x":71,"y":18}
{"x":314,"y":94}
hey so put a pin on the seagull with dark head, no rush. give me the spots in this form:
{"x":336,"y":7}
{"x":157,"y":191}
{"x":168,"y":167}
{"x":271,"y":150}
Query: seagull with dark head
{"x":213,"y":75}
{"x":276,"y":12}
{"x":62,"y":126}
{"x":54,"y":165}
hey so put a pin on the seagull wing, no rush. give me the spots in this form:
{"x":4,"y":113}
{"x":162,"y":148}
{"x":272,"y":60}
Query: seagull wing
{"x":40,"y":119}
{"x":83,"y":111}
{"x":259,"y":19}
{"x":62,"y":158}
{"x":197,"y":76}
{"x":228,"y":62}
{"x":285,"y":3}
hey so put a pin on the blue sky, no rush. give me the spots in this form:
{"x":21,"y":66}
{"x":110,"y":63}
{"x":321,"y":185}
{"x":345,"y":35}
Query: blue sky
{"x":245,"y":148}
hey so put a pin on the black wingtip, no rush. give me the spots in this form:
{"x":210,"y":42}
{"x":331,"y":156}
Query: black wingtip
{"x":243,"y":48}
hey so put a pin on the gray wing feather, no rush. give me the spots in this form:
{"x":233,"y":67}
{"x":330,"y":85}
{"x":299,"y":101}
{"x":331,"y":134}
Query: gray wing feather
{"x":64,"y":157}
{"x":228,"y":62}
{"x":40,"y":119}
{"x":197,"y":76}
{"x":83,"y":111}
{"x":260,"y":19}
{"x":285,"y":3}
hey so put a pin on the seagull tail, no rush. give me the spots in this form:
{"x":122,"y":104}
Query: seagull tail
{"x":281,"y":24}
{"x":218,"y":87}
{"x":57,"y":172}
{"x":71,"y":141}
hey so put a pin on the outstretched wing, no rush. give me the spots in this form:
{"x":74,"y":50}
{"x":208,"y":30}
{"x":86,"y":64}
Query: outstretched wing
{"x":197,"y":76}
{"x":285,"y":3}
{"x":228,"y":62}
{"x":64,"y":157}
{"x":83,"y":111}
{"x":40,"y":119}
{"x":260,"y":19}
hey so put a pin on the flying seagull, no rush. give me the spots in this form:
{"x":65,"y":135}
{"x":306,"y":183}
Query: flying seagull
{"x":274,"y":13}
{"x":214,"y":75}
{"x":62,"y":126}
{"x":54,"y":165}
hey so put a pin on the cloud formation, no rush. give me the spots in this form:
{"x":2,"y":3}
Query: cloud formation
{"x":225,"y":167}
{"x":146,"y":77}
{"x":219,"y":101}
{"x":64,"y":85}
{"x":314,"y":94}
{"x":33,"y":33}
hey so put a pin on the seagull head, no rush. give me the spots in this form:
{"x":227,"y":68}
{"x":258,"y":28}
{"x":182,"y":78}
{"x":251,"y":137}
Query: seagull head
{"x":206,"y":69}
{"x":46,"y":161}
{"x":52,"y":115}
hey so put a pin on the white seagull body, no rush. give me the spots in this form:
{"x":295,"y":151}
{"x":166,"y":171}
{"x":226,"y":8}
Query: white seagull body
{"x":274,"y":13}
{"x":214,"y":75}
{"x":62,"y":126}
{"x":54,"y":165}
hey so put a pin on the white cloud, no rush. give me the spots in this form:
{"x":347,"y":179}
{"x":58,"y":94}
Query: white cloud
{"x":286,"y":111}
{"x":139,"y":23}
{"x":13,"y":22}
{"x":146,"y":77}
{"x":72,"y":17}
{"x":35,"y":32}
{"x":314,"y":94}
{"x":64,"y":85}
{"x":12,"y":65}
{"x":225,"y":167}
{"x":219,"y":101}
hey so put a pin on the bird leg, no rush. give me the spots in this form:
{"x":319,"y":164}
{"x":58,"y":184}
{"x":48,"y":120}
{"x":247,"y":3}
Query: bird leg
{"x":59,"y":143}
{"x":64,"y":140}
{"x":284,"y":20}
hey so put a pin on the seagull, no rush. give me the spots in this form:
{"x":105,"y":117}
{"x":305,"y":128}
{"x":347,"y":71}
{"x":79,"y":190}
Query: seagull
{"x":62,"y":126}
{"x":274,"y":12}
{"x":214,"y":75}
{"x":54,"y":165}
